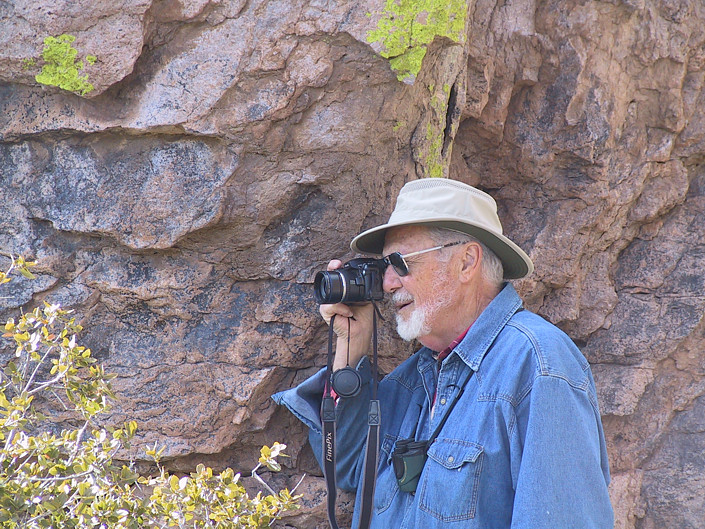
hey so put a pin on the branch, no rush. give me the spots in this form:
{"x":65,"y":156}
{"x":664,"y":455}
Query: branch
{"x":77,"y":447}
{"x":299,"y":483}
{"x":258,"y":478}
{"x":36,"y":369}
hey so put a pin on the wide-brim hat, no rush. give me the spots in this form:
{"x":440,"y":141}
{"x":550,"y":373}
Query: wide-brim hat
{"x":444,"y":203}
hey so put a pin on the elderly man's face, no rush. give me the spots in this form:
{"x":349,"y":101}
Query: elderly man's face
{"x":422,"y":297}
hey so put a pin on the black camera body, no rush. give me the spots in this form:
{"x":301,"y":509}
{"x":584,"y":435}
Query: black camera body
{"x":358,"y":281}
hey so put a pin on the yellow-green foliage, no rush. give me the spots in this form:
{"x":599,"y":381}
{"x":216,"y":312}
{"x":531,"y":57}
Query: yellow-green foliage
{"x":69,"y":479}
{"x":61,"y":68}
{"x":408,"y":26}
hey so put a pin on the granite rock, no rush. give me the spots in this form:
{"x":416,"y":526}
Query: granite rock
{"x":231,"y":148}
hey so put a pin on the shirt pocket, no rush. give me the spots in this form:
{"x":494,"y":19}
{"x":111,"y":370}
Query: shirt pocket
{"x":386,"y":485}
{"x":449,"y":484}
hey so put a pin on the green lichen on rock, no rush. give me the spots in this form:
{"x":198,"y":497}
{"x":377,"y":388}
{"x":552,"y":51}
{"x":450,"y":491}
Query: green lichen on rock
{"x":433,"y":158}
{"x":398,"y":125}
{"x":61,"y":67}
{"x":407,"y":27}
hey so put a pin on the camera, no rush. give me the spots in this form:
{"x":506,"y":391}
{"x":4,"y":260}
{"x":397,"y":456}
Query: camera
{"x":359,"y":280}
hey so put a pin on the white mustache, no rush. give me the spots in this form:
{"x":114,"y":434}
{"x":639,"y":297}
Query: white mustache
{"x":399,"y":298}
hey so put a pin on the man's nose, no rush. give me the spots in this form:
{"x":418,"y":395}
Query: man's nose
{"x":391,"y":280}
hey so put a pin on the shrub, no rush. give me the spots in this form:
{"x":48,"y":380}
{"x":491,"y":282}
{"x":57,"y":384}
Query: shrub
{"x":67,"y":477}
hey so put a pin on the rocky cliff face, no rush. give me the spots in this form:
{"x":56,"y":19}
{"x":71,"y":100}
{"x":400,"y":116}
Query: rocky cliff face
{"x":230,"y":148}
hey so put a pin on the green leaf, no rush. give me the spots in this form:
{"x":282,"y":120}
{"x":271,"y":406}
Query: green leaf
{"x":27,"y":273}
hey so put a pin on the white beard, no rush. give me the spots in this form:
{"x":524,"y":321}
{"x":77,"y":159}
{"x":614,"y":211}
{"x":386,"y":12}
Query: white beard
{"x":417,"y":323}
{"x":414,"y":326}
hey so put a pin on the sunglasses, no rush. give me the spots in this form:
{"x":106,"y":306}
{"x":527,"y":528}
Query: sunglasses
{"x":398,"y":261}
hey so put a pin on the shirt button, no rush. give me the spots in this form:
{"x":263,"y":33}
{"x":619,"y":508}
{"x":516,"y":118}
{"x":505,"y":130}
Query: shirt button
{"x":451,"y":459}
{"x":443,"y":400}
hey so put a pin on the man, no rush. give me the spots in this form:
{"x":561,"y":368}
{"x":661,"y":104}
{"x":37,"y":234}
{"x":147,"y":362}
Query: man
{"x":523,"y":446}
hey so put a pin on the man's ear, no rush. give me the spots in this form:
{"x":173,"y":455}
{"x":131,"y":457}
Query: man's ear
{"x":470,"y":261}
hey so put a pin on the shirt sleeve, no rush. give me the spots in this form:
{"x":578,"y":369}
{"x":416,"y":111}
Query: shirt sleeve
{"x":562,"y":471}
{"x":304,"y":401}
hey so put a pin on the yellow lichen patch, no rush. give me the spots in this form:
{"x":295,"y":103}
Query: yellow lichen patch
{"x":61,"y":68}
{"x":407,"y":27}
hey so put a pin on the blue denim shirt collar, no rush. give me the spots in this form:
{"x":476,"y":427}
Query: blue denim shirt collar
{"x":483,"y":331}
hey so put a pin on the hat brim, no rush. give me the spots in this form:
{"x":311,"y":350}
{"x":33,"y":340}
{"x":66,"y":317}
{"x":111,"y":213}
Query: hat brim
{"x":515,"y":262}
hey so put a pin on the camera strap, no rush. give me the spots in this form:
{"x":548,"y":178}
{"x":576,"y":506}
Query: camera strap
{"x":328,"y":421}
{"x":449,"y":410}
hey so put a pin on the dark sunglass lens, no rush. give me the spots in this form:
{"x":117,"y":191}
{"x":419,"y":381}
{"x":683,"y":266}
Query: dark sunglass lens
{"x":397,"y":261}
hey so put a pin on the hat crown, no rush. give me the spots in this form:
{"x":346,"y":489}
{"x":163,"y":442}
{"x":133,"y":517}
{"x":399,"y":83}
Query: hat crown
{"x":439,"y":197}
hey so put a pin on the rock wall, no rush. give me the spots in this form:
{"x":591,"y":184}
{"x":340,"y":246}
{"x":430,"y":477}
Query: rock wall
{"x":230,"y":148}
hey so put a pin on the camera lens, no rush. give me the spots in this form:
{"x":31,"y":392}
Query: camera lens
{"x":329,"y":287}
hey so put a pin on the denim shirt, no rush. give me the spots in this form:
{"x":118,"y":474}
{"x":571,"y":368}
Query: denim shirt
{"x":522,"y":448}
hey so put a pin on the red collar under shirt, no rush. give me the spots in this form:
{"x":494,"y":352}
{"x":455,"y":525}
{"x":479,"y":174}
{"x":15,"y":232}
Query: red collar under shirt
{"x":445,"y":352}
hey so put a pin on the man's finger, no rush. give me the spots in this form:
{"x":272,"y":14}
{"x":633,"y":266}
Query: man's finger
{"x":334,"y":264}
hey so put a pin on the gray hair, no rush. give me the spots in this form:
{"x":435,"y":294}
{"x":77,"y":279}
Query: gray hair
{"x":492,"y":268}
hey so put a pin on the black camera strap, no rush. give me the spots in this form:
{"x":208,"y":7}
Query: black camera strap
{"x":449,"y":410}
{"x":372,"y":446}
{"x":328,"y":421}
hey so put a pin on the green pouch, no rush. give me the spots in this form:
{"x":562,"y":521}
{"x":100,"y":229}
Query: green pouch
{"x":408,"y":460}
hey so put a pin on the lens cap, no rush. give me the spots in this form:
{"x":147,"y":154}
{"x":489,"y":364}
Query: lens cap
{"x":347,"y":382}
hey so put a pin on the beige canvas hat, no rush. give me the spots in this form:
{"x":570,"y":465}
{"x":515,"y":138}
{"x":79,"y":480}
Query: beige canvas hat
{"x":450,"y":204}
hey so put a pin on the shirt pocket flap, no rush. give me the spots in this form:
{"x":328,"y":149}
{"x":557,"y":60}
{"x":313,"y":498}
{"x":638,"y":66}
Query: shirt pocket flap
{"x":453,"y":453}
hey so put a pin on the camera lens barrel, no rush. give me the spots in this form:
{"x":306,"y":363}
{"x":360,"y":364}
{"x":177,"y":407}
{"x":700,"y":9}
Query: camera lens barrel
{"x":330,"y":287}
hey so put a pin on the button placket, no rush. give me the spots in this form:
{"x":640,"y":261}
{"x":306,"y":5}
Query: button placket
{"x":447,"y":376}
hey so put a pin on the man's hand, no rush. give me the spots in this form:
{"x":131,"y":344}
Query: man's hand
{"x":359,"y":317}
